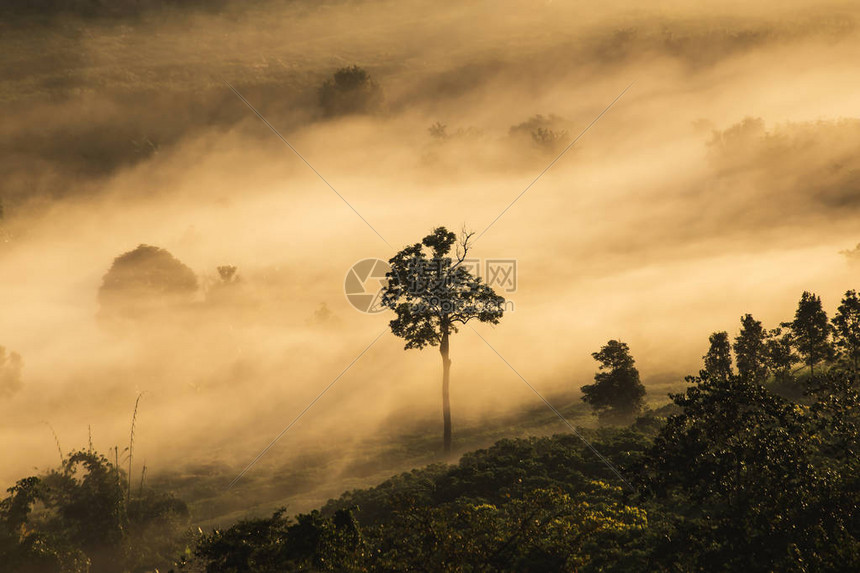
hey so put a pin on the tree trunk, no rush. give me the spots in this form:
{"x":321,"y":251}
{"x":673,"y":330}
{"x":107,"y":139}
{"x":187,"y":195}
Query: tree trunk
{"x":446,"y":402}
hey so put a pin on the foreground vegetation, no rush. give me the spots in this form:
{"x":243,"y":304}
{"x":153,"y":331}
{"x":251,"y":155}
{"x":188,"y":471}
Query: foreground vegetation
{"x":754,"y":469}
{"x":741,"y":479}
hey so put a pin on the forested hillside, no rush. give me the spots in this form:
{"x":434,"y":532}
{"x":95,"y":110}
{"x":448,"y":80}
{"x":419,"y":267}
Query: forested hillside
{"x":752,"y":468}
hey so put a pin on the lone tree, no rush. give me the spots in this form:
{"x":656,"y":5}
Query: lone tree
{"x":145,"y":279}
{"x":351,"y":90}
{"x":718,"y":360}
{"x":616,"y":395}
{"x":431,"y":293}
{"x":811,"y":331}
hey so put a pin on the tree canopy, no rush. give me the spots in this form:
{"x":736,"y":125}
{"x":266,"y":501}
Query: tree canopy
{"x":718,"y":360}
{"x":432,"y":292}
{"x":145,"y":278}
{"x":617,"y":393}
{"x":811,"y":330}
{"x":750,"y":350}
{"x":350,"y":90}
{"x":846,"y":331}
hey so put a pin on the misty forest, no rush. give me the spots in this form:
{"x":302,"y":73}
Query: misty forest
{"x":377,"y":285}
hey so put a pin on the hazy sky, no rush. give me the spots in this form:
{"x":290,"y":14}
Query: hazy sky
{"x":724,"y":181}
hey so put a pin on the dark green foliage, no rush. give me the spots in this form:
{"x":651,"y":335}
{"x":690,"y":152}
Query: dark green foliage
{"x":616,"y":395}
{"x":492,"y":475}
{"x":769,"y":484}
{"x":77,"y":518}
{"x":846,"y":331}
{"x":718,"y":360}
{"x":351,"y":90}
{"x":522,"y":505}
{"x":779,"y":357}
{"x":545,"y":530}
{"x":811,"y":331}
{"x":750,"y":350}
{"x":432,"y":292}
{"x":157,"y":523}
{"x":780,"y":360}
{"x":308,"y":543}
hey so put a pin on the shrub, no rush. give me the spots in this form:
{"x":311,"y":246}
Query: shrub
{"x":350,"y":91}
{"x":143,"y":279}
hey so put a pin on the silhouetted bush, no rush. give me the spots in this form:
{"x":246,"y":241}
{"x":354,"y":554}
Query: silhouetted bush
{"x":145,"y":279}
{"x":547,"y":133}
{"x":350,"y":91}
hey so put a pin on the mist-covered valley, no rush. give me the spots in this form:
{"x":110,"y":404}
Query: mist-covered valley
{"x":723,"y":180}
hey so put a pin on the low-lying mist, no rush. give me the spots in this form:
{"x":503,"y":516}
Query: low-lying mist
{"x":724,"y":181}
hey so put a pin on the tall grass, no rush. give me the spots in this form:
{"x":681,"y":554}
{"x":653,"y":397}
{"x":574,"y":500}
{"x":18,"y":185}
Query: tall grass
{"x":131,"y":445}
{"x":57,"y":441}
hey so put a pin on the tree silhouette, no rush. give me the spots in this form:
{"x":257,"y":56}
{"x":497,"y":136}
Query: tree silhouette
{"x":432,"y":293}
{"x":846,"y":329}
{"x":750,"y":350}
{"x":811,"y":331}
{"x":351,"y":90}
{"x":718,"y":360}
{"x":227,"y":273}
{"x":143,"y":279}
{"x":617,"y":393}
